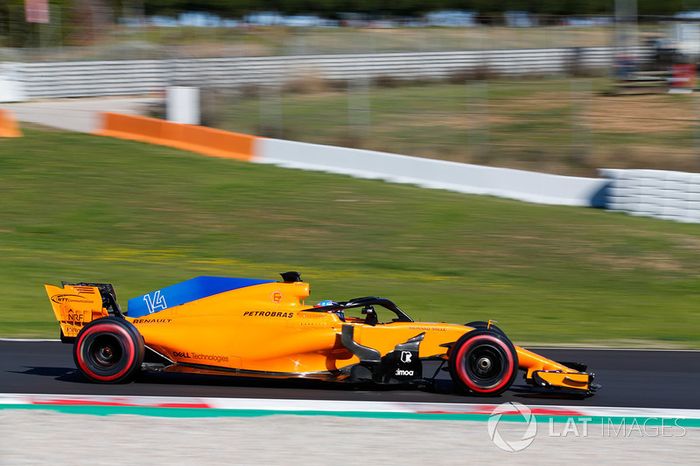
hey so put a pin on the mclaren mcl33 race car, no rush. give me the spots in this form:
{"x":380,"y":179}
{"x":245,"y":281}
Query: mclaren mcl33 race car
{"x":262,"y":328}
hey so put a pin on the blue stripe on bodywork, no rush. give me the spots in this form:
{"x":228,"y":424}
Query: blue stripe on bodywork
{"x":185,"y":292}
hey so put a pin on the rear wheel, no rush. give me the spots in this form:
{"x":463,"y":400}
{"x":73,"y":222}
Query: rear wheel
{"x":483,"y":362}
{"x":109,"y":350}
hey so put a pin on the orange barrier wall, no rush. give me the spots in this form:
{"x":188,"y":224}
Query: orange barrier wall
{"x":8,"y":125}
{"x":199,"y":139}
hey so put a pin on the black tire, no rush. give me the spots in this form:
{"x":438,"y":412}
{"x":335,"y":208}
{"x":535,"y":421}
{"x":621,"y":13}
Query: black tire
{"x":483,"y":362}
{"x":480,"y":324}
{"x":109,"y":350}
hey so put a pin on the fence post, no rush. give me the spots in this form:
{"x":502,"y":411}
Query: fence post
{"x":271,"y":112}
{"x":580,"y":92}
{"x":480,"y":134}
{"x":359,"y":109}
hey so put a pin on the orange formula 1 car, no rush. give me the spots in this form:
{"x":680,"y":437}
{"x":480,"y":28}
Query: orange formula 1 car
{"x":262,"y":328}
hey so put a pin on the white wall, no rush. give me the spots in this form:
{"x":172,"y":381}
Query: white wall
{"x":11,"y":86}
{"x":655,"y":193}
{"x":541,"y":188}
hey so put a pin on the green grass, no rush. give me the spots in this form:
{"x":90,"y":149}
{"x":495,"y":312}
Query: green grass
{"x":281,"y":40}
{"x":566,"y":126}
{"x":79,"y":207}
{"x":119,"y":42}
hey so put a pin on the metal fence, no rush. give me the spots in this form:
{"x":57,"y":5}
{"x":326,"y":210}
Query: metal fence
{"x":537,"y":109}
{"x":124,"y":77}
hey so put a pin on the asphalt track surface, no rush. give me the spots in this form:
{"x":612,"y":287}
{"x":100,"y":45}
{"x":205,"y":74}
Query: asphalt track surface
{"x":629,"y":378}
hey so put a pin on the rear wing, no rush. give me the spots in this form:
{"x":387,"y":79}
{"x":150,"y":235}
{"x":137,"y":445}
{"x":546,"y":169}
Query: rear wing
{"x":76,"y":304}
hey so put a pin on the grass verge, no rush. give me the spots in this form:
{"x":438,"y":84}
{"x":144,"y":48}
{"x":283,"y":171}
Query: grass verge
{"x":79,"y":207}
{"x":557,"y":125}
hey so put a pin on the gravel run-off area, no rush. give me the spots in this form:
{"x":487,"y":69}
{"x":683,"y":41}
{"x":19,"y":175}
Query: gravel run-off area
{"x":44,"y":437}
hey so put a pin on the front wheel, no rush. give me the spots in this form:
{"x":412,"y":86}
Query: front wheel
{"x":109,"y":350}
{"x":481,"y":324}
{"x":483,"y":362}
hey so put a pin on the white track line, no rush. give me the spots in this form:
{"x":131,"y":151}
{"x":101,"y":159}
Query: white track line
{"x":29,"y":340}
{"x":603,"y":348}
{"x":334,"y":406}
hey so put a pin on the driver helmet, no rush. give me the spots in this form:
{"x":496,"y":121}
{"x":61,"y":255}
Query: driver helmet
{"x":330,"y":302}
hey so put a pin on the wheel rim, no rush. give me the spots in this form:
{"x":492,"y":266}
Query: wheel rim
{"x":105,"y":351}
{"x":485,"y":364}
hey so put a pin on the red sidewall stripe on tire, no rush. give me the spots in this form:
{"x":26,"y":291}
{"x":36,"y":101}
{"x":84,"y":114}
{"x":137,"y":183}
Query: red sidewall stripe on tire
{"x":463,"y":373}
{"x":110,"y":328}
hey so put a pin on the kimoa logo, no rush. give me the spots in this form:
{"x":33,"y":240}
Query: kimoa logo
{"x":403,"y":372}
{"x":512,"y":408}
